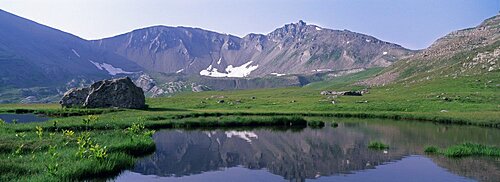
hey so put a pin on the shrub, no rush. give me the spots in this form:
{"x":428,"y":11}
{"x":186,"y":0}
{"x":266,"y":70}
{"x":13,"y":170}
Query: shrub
{"x":39,"y":132}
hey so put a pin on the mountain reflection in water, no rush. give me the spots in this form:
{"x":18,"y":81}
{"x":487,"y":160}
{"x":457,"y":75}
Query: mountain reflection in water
{"x":316,"y":154}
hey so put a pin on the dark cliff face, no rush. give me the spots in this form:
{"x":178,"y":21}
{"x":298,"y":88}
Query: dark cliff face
{"x":296,"y":48}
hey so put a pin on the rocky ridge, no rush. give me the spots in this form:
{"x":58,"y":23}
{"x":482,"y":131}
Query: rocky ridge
{"x":296,"y":48}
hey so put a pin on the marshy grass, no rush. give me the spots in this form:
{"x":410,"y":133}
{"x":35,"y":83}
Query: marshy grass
{"x":464,"y":150}
{"x":471,"y":149}
{"x":431,"y":149}
{"x":377,"y":145}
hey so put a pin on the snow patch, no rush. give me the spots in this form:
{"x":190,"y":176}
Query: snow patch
{"x":240,"y":71}
{"x":245,"y":135}
{"x":317,"y":28}
{"x":277,"y":74}
{"x":110,"y":68}
{"x":178,"y":71}
{"x":76,"y":53}
{"x":384,"y":53}
{"x":220,"y":59}
{"x":367,"y":40}
{"x":348,"y":42}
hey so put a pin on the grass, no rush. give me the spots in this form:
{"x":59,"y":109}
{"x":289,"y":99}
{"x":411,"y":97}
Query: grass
{"x":431,"y":149}
{"x":52,"y":154}
{"x":377,"y":145}
{"x":464,"y":150}
{"x":471,"y":149}
{"x":468,"y":101}
{"x":44,"y":151}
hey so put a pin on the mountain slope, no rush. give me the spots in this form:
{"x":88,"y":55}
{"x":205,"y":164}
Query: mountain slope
{"x":34,"y":55}
{"x":296,"y":48}
{"x":473,"y":51}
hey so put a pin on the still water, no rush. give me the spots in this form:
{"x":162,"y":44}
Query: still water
{"x":23,"y":118}
{"x":327,"y":154}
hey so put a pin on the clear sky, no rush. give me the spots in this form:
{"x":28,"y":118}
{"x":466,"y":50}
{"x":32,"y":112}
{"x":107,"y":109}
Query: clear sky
{"x":413,"y":24}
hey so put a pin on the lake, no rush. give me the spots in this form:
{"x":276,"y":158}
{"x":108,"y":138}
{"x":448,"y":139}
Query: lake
{"x":327,"y":154}
{"x":23,"y":118}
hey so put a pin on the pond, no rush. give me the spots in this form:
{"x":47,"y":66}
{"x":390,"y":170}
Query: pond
{"x":23,"y":118}
{"x":327,"y":154}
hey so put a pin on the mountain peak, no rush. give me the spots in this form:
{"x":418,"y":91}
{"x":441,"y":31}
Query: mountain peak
{"x":291,"y":29}
{"x":301,"y":23}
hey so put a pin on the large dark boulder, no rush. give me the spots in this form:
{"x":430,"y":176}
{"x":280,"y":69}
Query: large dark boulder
{"x":121,"y":93}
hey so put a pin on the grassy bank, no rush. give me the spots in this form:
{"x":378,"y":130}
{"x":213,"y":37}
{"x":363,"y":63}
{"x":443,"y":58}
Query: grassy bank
{"x":74,"y":146}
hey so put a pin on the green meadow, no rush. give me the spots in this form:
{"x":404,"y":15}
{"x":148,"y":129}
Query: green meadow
{"x":80,"y":144}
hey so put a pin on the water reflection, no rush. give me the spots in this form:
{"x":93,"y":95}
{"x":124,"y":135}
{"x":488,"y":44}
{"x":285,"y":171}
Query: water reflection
{"x":23,"y":118}
{"x":325,"y":154}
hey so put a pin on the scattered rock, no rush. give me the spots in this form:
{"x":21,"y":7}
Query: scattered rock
{"x":121,"y":93}
{"x":148,"y":85}
{"x":333,"y":102}
{"x":353,"y":93}
{"x":444,"y":110}
{"x":220,"y":101}
{"x":199,"y":88}
{"x":253,"y":97}
{"x":346,"y":93}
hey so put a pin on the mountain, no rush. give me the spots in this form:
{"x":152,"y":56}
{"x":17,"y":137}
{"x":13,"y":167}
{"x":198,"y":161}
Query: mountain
{"x":468,"y":52}
{"x":34,"y":55}
{"x":296,"y":48}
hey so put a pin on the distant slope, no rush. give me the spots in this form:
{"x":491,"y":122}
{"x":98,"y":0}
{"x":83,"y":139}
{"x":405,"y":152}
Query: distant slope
{"x":473,"y":51}
{"x":296,"y":48}
{"x":34,"y":55}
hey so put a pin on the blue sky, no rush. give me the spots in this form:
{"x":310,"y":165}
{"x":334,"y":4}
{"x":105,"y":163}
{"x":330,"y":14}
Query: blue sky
{"x":413,"y":24}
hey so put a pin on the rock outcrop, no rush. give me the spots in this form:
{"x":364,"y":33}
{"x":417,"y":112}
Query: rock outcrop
{"x":121,"y":93}
{"x":149,"y":86}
